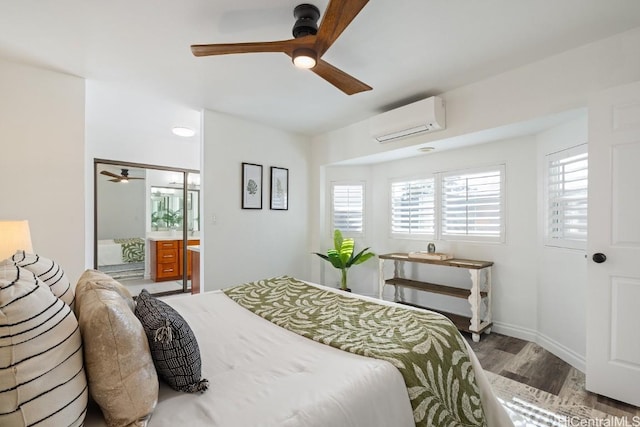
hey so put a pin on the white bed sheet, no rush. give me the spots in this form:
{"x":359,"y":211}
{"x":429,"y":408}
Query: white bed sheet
{"x":109,"y":252}
{"x":263,"y":375}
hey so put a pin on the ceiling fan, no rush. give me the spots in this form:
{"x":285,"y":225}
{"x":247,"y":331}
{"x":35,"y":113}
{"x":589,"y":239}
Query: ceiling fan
{"x":123,"y":177}
{"x":310,"y":42}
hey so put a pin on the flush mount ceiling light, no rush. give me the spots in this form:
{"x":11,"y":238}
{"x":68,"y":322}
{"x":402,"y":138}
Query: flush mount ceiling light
{"x":183,"y":131}
{"x":426,"y":149}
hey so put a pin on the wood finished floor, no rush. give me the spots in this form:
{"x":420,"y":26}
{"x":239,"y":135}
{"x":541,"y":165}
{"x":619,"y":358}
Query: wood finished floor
{"x":530,"y":364}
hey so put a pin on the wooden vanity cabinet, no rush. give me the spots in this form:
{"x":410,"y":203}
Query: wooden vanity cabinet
{"x":166,"y":259}
{"x":189,"y":243}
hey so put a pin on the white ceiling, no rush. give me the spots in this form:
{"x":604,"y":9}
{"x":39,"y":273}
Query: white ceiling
{"x":404,"y":49}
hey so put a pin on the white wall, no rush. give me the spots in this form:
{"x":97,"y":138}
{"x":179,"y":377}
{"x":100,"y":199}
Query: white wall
{"x":514,"y":273}
{"x":244,"y":245}
{"x":123,"y":124}
{"x":129,"y":126}
{"x":562,"y":273}
{"x":42,"y":160}
{"x":553,"y":85}
{"x":559,"y":83}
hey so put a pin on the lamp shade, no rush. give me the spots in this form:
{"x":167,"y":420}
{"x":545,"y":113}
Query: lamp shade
{"x":14,"y":235}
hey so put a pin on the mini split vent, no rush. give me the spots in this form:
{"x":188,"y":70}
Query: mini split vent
{"x":427,"y":115}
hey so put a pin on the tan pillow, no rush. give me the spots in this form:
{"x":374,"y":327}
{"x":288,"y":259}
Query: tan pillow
{"x":99,"y":280}
{"x":122,"y":378}
{"x":42,"y":378}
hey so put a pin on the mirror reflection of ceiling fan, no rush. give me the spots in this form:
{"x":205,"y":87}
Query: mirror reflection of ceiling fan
{"x":310,"y":42}
{"x":123,"y":177}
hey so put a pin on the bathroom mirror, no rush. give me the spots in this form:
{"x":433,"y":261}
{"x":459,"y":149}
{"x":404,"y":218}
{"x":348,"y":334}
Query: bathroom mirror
{"x":167,"y":209}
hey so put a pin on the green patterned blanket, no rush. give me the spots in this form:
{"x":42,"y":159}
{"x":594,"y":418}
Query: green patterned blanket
{"x":132,"y":249}
{"x":425,"y":346}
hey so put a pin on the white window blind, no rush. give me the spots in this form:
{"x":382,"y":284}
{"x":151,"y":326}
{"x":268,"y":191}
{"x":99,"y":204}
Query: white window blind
{"x":567,"y":185}
{"x":413,"y":207}
{"x":348,"y":207}
{"x":472,"y":204}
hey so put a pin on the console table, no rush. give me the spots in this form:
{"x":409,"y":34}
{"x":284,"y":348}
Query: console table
{"x":479,"y":295}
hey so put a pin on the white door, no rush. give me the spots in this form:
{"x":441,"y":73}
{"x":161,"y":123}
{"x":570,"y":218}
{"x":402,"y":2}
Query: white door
{"x":613,"y":295}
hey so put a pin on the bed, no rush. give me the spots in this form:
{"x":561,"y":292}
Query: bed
{"x":262,"y":374}
{"x":122,"y":258}
{"x":120,"y":251}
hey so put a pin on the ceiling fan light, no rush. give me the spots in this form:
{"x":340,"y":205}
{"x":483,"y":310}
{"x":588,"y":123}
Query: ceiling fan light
{"x":304,"y":58}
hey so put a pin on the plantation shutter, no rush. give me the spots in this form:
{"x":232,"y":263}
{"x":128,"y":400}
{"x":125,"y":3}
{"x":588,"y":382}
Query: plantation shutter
{"x":348,"y":207}
{"x":567,"y":185}
{"x":413,"y":207}
{"x":472,"y":204}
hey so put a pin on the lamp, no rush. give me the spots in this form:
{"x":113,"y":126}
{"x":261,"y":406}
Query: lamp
{"x":304,"y":58}
{"x":14,"y":235}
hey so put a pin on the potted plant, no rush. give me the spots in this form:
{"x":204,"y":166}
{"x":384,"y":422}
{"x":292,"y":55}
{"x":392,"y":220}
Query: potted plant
{"x":342,"y":256}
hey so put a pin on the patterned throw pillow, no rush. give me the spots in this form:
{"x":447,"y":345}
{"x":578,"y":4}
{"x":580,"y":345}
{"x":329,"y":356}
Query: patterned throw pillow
{"x":49,"y":272}
{"x":42,"y":377}
{"x":173,"y":345}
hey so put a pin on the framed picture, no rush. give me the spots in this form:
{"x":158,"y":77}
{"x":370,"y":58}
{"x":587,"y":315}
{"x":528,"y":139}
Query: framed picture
{"x":279,"y":188}
{"x":251,"y":186}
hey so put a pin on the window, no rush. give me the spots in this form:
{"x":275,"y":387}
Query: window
{"x":413,"y":207}
{"x":567,"y":172}
{"x":348,"y":207}
{"x":472,"y":204}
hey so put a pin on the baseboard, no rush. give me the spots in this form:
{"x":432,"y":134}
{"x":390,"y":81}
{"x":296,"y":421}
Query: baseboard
{"x":571,"y":357}
{"x":515,"y":331}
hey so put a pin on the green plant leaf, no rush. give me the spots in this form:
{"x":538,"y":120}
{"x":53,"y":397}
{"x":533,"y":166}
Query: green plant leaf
{"x":335,"y":259}
{"x":342,"y":257}
{"x":361,"y":257}
{"x":346,"y":250}
{"x":323,"y":256}
{"x":337,"y":240}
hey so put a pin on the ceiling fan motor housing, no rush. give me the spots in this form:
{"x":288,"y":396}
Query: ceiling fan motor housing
{"x":306,"y":24}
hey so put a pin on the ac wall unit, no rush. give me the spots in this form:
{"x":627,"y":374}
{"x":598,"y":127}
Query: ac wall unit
{"x":412,"y":119}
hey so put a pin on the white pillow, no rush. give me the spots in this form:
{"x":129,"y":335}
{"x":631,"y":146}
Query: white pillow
{"x":42,"y":378}
{"x":49,"y":272}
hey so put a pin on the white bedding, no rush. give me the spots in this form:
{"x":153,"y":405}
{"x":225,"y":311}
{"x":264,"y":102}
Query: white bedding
{"x":109,"y":252}
{"x":263,"y":375}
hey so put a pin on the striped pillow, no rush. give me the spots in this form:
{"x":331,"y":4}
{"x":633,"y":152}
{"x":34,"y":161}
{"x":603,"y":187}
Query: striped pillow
{"x":42,"y":378}
{"x":49,"y":272}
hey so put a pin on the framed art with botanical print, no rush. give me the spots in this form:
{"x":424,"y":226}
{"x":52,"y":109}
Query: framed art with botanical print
{"x":251,"y":186}
{"x":279,"y":188}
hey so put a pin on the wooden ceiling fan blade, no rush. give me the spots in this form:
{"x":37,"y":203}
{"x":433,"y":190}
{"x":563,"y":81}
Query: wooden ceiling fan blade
{"x":111,"y":174}
{"x":115,"y":180}
{"x":284,"y":46}
{"x":343,"y":81}
{"x":336,"y":18}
